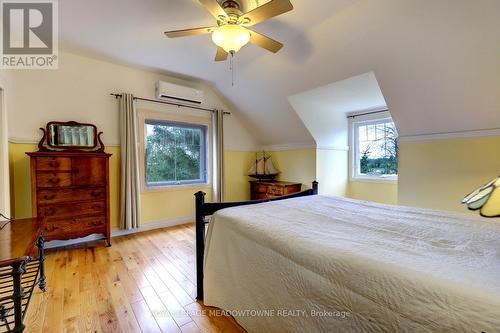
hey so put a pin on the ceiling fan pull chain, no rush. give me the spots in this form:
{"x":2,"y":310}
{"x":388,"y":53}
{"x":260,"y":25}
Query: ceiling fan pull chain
{"x":231,"y":67}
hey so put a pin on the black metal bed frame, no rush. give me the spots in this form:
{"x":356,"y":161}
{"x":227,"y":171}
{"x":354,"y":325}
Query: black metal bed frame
{"x":17,"y":283}
{"x":204,"y":209}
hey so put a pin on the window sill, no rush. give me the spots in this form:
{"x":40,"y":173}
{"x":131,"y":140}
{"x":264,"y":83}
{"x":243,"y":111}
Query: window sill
{"x":173,"y":188}
{"x":374,"y":180}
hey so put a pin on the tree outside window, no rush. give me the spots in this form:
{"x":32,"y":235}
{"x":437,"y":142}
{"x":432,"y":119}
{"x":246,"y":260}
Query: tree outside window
{"x":175,"y":153}
{"x":377,"y":149}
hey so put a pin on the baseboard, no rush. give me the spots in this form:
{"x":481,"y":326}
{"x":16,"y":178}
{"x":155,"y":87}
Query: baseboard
{"x":70,"y":242}
{"x":153,"y":225}
{"x":121,"y":232}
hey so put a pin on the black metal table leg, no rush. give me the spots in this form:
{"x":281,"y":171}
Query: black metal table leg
{"x":41,"y":259}
{"x":17,"y":271}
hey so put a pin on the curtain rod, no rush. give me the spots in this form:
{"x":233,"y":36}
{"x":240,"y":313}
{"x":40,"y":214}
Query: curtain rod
{"x":366,"y":113}
{"x":169,"y":103}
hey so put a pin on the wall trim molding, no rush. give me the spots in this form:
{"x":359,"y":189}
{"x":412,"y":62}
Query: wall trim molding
{"x":292,"y":146}
{"x":450,"y":135}
{"x":240,"y":150}
{"x":19,"y":140}
{"x":115,"y":232}
{"x":337,"y":148}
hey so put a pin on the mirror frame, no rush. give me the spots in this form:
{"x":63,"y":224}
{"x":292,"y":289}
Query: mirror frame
{"x":75,"y":124}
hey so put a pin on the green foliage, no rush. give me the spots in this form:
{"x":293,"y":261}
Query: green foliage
{"x":173,"y":154}
{"x":386,"y":165}
{"x":365,"y":163}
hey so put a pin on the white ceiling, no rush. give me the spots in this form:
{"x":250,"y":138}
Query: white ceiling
{"x":437,"y":62}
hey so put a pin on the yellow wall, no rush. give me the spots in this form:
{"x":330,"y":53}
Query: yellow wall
{"x":432,"y":174}
{"x":439,"y":174}
{"x":330,"y":168}
{"x":331,"y":171}
{"x":155,"y":206}
{"x":236,"y":165}
{"x":296,"y":165}
{"x":374,"y":191}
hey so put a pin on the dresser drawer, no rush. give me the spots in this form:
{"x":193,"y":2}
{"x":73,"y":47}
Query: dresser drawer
{"x":275,"y":190}
{"x":53,"y":179}
{"x":272,"y":189}
{"x":56,"y":211}
{"x":53,"y":163}
{"x":259,"y":196}
{"x":259,"y":188}
{"x":74,"y":227}
{"x":67,"y":195}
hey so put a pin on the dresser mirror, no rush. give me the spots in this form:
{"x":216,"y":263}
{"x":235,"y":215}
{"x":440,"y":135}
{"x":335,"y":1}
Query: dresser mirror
{"x":71,"y":135}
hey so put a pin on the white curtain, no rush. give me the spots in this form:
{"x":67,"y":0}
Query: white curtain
{"x":130,"y":181}
{"x":218,"y":148}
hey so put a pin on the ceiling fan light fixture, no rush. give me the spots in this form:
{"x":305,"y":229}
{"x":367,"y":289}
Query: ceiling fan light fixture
{"x":231,"y":37}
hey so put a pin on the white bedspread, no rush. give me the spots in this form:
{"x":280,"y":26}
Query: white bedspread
{"x":328,"y":264}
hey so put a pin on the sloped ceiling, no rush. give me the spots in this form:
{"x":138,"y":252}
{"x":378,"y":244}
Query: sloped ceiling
{"x":324,"y":110}
{"x":437,"y":62}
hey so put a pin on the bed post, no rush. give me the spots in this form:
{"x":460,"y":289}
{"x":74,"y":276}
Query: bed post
{"x":315,"y":187}
{"x":200,"y":242}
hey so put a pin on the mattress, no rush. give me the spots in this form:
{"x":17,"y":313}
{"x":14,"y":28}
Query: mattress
{"x":330,"y":264}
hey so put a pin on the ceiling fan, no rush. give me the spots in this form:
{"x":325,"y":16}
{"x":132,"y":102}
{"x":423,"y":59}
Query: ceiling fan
{"x":231,"y":32}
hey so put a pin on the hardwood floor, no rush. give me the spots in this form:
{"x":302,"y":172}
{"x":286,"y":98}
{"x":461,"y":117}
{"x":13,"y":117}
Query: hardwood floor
{"x":144,"y":283}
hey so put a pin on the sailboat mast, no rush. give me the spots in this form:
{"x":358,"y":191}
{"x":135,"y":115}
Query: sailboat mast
{"x":256,"y":162}
{"x":264,"y":159}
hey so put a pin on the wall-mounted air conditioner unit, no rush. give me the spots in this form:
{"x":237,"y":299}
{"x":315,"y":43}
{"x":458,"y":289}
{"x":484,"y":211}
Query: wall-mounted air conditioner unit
{"x":177,"y":93}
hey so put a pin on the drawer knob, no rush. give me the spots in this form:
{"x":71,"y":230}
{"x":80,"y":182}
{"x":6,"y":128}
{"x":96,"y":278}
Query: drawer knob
{"x":49,"y":197}
{"x":54,"y":164}
{"x":54,"y":180}
{"x":50,"y":212}
{"x":95,"y":193}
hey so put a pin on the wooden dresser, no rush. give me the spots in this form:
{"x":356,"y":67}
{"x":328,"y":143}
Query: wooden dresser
{"x":272,"y":189}
{"x":71,"y":190}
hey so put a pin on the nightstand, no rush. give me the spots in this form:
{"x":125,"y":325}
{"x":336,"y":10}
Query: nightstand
{"x":267,"y":189}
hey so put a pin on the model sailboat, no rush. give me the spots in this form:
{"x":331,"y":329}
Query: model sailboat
{"x":263,"y":168}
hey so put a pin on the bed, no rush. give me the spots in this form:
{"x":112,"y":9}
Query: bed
{"x":327,"y":264}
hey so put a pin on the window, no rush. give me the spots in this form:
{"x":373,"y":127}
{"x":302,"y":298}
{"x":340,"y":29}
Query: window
{"x":176,"y":153}
{"x":375,"y":149}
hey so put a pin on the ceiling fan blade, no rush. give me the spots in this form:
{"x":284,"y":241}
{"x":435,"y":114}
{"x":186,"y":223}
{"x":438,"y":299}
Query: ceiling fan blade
{"x":221,"y":54}
{"x":189,"y":32}
{"x":214,"y":8}
{"x":265,"y":42}
{"x":271,"y":9}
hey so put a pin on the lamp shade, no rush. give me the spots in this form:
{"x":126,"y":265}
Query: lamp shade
{"x":486,"y":199}
{"x":231,"y":37}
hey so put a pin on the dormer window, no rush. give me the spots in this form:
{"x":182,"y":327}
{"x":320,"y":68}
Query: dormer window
{"x":374,"y":147}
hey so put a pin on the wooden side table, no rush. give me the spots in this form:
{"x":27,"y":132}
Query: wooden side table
{"x":20,"y":271}
{"x":267,"y":189}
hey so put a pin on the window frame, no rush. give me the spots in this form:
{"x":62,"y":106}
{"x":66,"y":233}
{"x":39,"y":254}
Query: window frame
{"x":177,"y":120}
{"x":354,"y":124}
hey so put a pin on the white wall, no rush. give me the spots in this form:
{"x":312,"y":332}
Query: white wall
{"x":79,"y":90}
